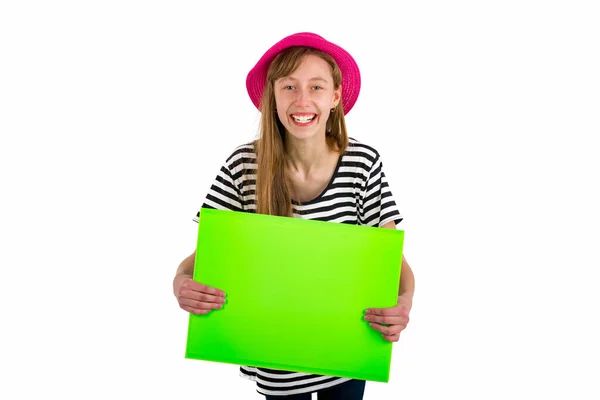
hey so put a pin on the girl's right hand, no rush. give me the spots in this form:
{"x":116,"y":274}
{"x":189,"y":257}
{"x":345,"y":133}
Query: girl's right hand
{"x":197,"y":298}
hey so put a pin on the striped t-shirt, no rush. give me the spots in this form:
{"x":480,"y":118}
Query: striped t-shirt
{"x":358,"y":194}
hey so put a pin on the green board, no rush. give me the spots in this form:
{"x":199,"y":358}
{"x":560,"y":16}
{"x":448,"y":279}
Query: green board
{"x":297,"y":291}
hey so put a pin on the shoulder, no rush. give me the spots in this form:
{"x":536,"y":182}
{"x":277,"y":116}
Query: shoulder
{"x":241,"y":154}
{"x":366,"y":152}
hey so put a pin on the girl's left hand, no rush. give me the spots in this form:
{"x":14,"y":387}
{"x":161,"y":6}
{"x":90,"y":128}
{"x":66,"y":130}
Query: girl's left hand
{"x":390,"y":321}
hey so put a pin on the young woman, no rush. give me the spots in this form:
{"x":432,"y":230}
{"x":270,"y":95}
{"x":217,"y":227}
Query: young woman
{"x":304,"y":165}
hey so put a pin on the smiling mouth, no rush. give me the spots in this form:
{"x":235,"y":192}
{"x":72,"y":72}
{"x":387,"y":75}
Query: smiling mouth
{"x":303,"y":119}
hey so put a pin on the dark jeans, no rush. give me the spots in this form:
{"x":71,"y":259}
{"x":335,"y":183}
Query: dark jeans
{"x":351,"y":390}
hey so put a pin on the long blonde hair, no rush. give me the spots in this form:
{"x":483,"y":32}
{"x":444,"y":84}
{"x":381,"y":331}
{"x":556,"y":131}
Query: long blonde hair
{"x":272,"y":190}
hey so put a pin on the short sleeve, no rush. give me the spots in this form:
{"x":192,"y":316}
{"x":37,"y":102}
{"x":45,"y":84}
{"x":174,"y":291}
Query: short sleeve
{"x":377,"y":206}
{"x":223,"y":194}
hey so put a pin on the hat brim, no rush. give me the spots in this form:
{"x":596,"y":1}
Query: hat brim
{"x":256,"y":79}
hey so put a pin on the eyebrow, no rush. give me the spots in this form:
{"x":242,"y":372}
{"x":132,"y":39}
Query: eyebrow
{"x":316,"y":78}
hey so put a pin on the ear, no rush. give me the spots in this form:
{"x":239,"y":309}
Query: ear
{"x":337,"y":96}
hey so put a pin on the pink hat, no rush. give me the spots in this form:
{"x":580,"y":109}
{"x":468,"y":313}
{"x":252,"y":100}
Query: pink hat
{"x":256,"y":79}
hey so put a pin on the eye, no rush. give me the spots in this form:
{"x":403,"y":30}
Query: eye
{"x":288,"y":87}
{"x":317,"y":87}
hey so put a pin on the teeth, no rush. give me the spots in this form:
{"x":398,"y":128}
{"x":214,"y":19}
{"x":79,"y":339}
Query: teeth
{"x":303,"y":119}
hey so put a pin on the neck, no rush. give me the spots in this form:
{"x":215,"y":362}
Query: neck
{"x":306,"y":155}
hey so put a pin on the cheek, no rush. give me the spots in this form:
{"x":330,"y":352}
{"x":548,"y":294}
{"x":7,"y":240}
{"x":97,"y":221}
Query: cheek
{"x":282,"y":101}
{"x":324,"y":106}
{"x":325,"y":100}
{"x":282,"y":115}
{"x":279,"y":107}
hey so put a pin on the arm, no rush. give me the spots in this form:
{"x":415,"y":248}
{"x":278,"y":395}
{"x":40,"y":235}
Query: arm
{"x":224,"y":194}
{"x":184,"y":271}
{"x":406,"y":288}
{"x":193,"y":296}
{"x":393,"y":320}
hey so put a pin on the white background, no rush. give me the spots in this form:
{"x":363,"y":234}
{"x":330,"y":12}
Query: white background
{"x":116,"y":115}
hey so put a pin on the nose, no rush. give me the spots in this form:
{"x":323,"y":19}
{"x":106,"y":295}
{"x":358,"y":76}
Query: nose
{"x":303,"y":99}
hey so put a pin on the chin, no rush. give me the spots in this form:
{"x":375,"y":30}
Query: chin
{"x":302,"y":134}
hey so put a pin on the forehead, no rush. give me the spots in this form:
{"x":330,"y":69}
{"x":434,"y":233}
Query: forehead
{"x":311,"y":67}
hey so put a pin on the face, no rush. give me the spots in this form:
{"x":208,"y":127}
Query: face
{"x":305,"y":97}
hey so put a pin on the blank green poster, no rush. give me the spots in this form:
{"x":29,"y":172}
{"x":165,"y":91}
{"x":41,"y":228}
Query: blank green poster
{"x":296,"y":291}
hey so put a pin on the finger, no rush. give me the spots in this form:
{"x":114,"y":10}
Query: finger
{"x":391,"y":338}
{"x":387,"y":330}
{"x":199,"y":296}
{"x":193,"y":310}
{"x":390,"y":311}
{"x":201,"y":287}
{"x":383,"y":311}
{"x":199,"y":291}
{"x":200,"y":305}
{"x":391,"y":320}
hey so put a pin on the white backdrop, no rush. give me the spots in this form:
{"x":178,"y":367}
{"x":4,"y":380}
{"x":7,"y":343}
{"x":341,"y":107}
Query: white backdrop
{"x":116,"y":115}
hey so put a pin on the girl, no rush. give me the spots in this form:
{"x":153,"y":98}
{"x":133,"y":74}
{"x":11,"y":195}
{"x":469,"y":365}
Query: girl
{"x":304,"y":165}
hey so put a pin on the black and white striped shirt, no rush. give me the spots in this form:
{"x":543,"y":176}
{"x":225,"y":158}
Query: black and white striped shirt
{"x":358,"y":194}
